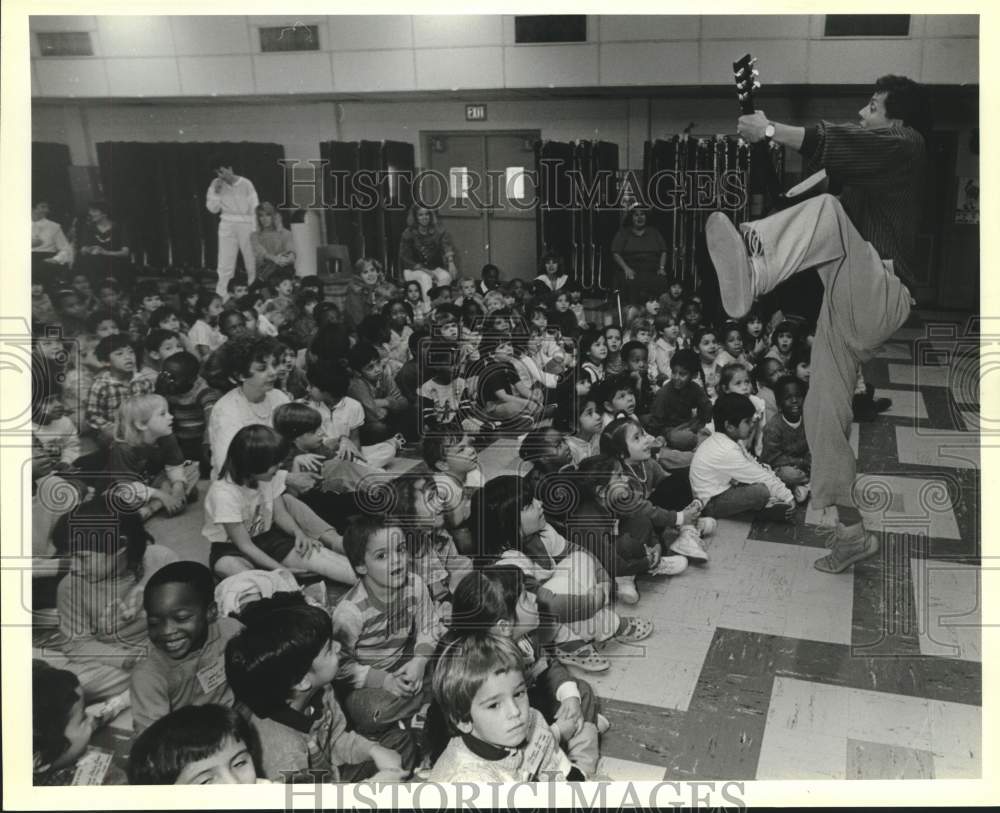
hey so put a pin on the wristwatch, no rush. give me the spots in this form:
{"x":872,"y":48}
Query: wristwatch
{"x":769,"y":131}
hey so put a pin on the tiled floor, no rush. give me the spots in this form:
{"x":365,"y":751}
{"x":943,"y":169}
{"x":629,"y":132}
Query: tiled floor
{"x":871,"y":674}
{"x":762,"y":667}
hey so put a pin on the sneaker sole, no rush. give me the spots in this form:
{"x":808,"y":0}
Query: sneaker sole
{"x":732,"y":266}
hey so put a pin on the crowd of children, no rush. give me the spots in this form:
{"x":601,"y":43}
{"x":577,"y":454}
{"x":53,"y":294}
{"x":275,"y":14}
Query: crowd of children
{"x":458,"y":606}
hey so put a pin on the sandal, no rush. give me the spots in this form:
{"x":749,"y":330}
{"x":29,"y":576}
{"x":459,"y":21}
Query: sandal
{"x":634,"y":629}
{"x":843,"y":556}
{"x":585,"y":658}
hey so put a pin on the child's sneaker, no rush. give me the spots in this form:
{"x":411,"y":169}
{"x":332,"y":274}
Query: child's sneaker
{"x":688,"y":543}
{"x":625,"y":589}
{"x":706,"y":526}
{"x":801,"y":493}
{"x":669,"y":566}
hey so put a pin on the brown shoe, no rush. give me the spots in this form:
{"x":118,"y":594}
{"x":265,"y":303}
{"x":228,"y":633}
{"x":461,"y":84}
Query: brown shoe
{"x":846,"y":554}
{"x":732,"y":265}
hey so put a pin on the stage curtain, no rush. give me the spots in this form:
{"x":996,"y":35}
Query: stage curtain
{"x":50,"y":180}
{"x":157,"y":191}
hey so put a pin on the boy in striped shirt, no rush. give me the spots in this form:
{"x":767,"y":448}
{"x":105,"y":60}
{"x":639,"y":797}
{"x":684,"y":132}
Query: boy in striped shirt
{"x":389,"y":630}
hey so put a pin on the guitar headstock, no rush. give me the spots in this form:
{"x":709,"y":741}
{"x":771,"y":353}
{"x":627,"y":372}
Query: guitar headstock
{"x":745,"y":74}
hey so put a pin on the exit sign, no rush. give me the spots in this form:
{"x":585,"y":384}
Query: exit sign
{"x":475,"y":112}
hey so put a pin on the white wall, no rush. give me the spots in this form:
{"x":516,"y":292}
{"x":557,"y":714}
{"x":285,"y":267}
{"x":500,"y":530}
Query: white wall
{"x":191,"y":56}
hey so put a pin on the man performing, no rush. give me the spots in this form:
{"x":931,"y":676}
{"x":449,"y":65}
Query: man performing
{"x":881,"y":163}
{"x":235,"y":198}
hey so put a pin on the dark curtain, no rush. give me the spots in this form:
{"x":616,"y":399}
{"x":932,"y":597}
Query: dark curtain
{"x":157,"y":191}
{"x":367,"y":192}
{"x":50,"y":180}
{"x":607,"y":219}
{"x":342,"y":221}
{"x":372,"y":231}
{"x":553,"y":161}
{"x":398,"y":160}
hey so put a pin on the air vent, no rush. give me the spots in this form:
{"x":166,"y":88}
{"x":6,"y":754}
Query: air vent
{"x":290,"y":38}
{"x":550,"y":28}
{"x":65,"y":43}
{"x":867,"y":25}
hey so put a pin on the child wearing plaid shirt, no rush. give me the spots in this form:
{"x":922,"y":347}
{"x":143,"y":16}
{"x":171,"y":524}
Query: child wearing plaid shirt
{"x":113,"y":385}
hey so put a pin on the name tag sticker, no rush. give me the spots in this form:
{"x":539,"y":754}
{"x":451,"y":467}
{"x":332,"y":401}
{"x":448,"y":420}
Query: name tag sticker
{"x":92,"y":767}
{"x":212,"y":677}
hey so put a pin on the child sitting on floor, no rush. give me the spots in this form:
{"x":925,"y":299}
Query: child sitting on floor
{"x":768,"y":373}
{"x":726,"y":478}
{"x":452,"y":459}
{"x":495,"y":600}
{"x":732,"y":351}
{"x":481,"y":687}
{"x":282,"y":666}
{"x":373,"y":385}
{"x":572,"y":586}
{"x":62,"y":728}
{"x":735,"y":378}
{"x":186,"y":663}
{"x":608,"y":524}
{"x":99,"y":602}
{"x":204,"y":337}
{"x":197,"y":745}
{"x":585,"y":427}
{"x":190,"y":400}
{"x":389,"y":630}
{"x":83,"y":367}
{"x":344,"y":416}
{"x":146,"y":461}
{"x":784,"y":445}
{"x":665,"y":498}
{"x":252,"y":523}
{"x":112,"y":386}
{"x":681,"y":408}
{"x":419,"y":508}
{"x":614,"y":363}
{"x":159,"y":345}
{"x":668,"y":331}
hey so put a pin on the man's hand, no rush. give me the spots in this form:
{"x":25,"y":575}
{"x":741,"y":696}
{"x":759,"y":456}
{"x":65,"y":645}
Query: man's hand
{"x":751,"y":126}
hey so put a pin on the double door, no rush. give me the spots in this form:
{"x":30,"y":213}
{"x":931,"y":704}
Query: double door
{"x":485,"y":187}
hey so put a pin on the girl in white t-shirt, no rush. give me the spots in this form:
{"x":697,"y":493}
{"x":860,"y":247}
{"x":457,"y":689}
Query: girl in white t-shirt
{"x":204,"y":334}
{"x":252,"y":523}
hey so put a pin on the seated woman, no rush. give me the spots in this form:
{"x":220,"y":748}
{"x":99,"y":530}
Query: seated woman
{"x":272,"y":243}
{"x":102,"y":247}
{"x":426,"y":253}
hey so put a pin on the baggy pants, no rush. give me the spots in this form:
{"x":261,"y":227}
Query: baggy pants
{"x":234,"y":238}
{"x":863,"y":305}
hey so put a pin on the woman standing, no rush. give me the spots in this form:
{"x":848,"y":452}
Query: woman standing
{"x":272,"y":243}
{"x":641,"y":255}
{"x":102,"y":247}
{"x":426,"y":253}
